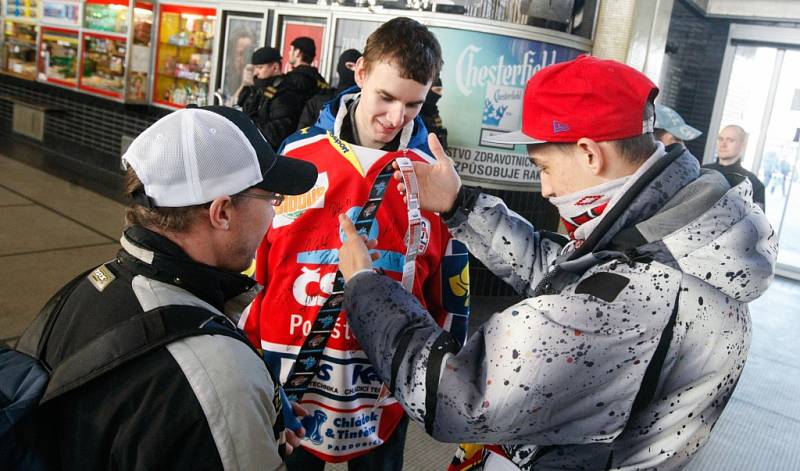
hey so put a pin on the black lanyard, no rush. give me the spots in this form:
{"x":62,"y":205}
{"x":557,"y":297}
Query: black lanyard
{"x":308,"y":359}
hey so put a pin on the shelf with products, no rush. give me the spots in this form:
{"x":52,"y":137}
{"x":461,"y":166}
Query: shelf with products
{"x":58,"y":56}
{"x":19,"y":49}
{"x":103,"y":65}
{"x":184,"y":55}
{"x":110,"y":16}
{"x":22,"y":9}
{"x":61,"y":12}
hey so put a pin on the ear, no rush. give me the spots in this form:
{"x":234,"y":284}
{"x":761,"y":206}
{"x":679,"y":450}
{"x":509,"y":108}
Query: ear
{"x":220,"y":213}
{"x":593,"y":155}
{"x":360,"y":72}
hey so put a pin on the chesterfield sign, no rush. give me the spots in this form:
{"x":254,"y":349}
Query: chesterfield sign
{"x":484,"y":78}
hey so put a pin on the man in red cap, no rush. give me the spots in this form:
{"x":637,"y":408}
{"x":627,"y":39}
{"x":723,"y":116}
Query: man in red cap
{"x":635,"y":329}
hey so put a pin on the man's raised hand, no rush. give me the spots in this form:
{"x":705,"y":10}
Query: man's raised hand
{"x":438,"y":183}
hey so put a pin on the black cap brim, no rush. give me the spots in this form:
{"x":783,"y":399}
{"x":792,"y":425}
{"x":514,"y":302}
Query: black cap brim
{"x":289,"y":177}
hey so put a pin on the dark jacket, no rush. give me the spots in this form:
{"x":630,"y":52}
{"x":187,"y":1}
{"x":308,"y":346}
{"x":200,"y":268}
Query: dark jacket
{"x":734,"y":173}
{"x":314,"y":106}
{"x":203,"y":402}
{"x":306,"y":81}
{"x":274,"y":105}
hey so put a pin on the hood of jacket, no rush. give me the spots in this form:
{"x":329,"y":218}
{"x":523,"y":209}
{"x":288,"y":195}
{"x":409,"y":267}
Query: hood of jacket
{"x":418,"y":138}
{"x":692,"y":220}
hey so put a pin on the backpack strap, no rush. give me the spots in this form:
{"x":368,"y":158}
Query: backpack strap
{"x":137,"y":336}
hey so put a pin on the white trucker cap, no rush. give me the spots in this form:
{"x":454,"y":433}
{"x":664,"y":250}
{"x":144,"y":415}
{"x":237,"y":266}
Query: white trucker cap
{"x":194,"y":155}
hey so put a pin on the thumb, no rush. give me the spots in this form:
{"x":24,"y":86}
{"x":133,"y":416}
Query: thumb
{"x":438,"y":151}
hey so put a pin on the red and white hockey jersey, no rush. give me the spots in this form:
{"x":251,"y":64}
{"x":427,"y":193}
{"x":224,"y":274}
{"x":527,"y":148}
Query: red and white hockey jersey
{"x":297,"y":263}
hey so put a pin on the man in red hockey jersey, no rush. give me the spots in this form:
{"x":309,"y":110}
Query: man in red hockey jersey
{"x":358,"y":134}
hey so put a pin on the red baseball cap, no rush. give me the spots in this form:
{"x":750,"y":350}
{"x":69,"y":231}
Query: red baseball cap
{"x":603,"y":100}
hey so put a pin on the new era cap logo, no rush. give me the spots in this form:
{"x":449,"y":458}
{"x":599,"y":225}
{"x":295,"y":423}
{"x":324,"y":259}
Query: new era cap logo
{"x":559,"y":127}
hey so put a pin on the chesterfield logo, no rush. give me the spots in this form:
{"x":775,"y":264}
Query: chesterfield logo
{"x":294,"y":206}
{"x":470,"y":75}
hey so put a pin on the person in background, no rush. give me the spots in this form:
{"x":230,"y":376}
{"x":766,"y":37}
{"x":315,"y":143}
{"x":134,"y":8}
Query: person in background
{"x":670,"y":128}
{"x":634,"y":331}
{"x":238,"y":70}
{"x":269,"y":100}
{"x":304,"y":77}
{"x":358,"y":134}
{"x":731,"y":144}
{"x":430,"y":112}
{"x":344,"y":68}
{"x":200,"y":402}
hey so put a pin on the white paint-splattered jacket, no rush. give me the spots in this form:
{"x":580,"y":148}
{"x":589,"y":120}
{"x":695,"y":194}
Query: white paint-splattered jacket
{"x":554,"y":378}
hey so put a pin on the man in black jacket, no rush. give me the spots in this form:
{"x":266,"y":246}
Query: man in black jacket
{"x":731,"y":144}
{"x":203,"y":183}
{"x":304,"y":78}
{"x":270,"y":101}
{"x":345,"y":68}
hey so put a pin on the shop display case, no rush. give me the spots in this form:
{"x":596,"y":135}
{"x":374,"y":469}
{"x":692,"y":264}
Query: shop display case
{"x":61,"y":12}
{"x":18,"y":56}
{"x":183,"y":57}
{"x":58,"y":56}
{"x":103,"y":64}
{"x":110,"y":16}
{"x":116,"y":49}
{"x":140,"y":52}
{"x":22,"y":9}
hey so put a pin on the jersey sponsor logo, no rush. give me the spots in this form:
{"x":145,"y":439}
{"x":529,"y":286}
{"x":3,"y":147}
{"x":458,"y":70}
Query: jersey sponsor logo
{"x":294,"y":206}
{"x":298,"y":326}
{"x":314,"y":434}
{"x":312,"y":288}
{"x":346,"y":151}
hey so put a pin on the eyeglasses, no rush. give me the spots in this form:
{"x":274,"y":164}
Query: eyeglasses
{"x":275,"y":199}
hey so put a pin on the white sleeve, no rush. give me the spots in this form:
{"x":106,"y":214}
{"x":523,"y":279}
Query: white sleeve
{"x":235,"y":391}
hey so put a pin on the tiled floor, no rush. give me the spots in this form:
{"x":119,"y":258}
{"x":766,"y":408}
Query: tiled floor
{"x":53,"y":229}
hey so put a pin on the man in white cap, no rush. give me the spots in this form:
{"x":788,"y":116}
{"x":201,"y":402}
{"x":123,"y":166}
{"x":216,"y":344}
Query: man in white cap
{"x":162,"y":394}
{"x":670,"y":128}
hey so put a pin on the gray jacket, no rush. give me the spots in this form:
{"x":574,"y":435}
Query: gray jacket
{"x":554,"y":378}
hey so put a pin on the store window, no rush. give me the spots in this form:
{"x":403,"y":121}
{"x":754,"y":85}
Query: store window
{"x":103,"y":65}
{"x":27,"y":9}
{"x":106,"y":15}
{"x":138,"y":77}
{"x":19,"y":49}
{"x":183,"y":57}
{"x":61,"y":12}
{"x":58,"y":56}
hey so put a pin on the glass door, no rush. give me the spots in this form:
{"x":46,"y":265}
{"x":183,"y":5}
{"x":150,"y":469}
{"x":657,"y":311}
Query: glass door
{"x":770,"y":114}
{"x":779,"y":166}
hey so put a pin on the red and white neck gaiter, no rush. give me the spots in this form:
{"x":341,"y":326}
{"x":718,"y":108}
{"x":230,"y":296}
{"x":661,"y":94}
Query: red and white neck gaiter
{"x":580,"y":211}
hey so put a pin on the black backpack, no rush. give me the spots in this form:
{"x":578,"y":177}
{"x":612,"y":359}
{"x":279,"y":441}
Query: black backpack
{"x":27,"y":381}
